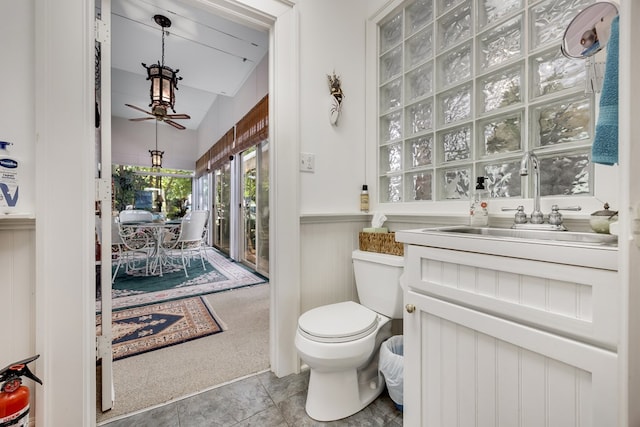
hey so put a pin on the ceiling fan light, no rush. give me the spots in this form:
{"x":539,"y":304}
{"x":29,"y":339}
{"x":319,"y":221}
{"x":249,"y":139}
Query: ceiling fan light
{"x":156,"y":158}
{"x":164,"y":81}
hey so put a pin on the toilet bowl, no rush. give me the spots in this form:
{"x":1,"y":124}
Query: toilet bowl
{"x":340,"y":342}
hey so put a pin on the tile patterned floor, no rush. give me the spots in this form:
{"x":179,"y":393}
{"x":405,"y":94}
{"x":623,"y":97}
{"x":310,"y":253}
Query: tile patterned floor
{"x":262,"y":400}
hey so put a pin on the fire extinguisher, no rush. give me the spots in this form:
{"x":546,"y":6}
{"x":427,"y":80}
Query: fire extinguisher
{"x":14,"y":397}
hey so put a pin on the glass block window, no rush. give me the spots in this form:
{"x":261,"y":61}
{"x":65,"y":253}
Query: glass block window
{"x":466,"y":87}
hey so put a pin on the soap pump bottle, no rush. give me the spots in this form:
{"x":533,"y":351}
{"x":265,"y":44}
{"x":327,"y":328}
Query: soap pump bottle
{"x":8,"y":179}
{"x":479,"y":210}
{"x":364,"y":199}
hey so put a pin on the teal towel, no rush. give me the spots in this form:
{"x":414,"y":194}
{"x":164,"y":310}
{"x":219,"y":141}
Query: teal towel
{"x":605,"y":145}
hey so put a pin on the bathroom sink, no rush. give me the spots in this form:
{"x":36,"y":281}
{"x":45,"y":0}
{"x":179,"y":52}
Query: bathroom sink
{"x":568,"y":237}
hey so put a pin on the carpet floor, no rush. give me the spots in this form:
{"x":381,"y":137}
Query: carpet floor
{"x":221,"y":274}
{"x":151,"y":327}
{"x":157,"y":377}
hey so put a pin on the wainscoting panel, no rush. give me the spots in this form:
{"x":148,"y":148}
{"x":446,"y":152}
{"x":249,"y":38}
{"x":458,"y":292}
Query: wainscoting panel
{"x":17,"y":290}
{"x":326,"y":243}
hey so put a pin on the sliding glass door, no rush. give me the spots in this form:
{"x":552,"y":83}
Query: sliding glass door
{"x":222,"y":208}
{"x":202,"y":203}
{"x":254,"y":232}
{"x":248,"y":191}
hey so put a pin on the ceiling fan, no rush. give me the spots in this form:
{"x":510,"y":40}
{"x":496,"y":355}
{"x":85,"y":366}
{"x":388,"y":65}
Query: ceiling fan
{"x":159,"y":112}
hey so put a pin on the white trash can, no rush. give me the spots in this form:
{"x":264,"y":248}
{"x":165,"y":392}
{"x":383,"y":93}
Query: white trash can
{"x":391,"y":365}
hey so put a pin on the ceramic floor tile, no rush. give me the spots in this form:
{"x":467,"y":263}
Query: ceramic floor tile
{"x":292,"y":410}
{"x":381,"y":412}
{"x":163,"y":416}
{"x":261,"y":401}
{"x":226,"y":405}
{"x":282,"y":388}
{"x":270,"y":417}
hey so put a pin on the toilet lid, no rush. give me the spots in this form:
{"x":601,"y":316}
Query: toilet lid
{"x":344,"y":321}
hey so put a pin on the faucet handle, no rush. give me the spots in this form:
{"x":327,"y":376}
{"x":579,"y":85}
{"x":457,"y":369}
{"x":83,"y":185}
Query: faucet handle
{"x":568,"y":208}
{"x":521,"y":216}
{"x":555,"y":217}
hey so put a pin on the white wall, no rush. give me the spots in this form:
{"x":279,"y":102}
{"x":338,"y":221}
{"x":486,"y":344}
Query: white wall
{"x":226,"y":111}
{"x":332,"y":42}
{"x":131,"y":142}
{"x":17,"y":106}
{"x":17,"y":236}
{"x":332,"y":36}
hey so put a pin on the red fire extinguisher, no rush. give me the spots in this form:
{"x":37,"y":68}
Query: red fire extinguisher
{"x":14,"y":397}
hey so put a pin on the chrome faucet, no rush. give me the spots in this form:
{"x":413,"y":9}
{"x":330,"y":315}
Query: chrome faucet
{"x":537,"y":217}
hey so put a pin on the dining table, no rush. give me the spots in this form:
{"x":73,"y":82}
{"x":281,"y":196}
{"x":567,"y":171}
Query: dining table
{"x":162,"y":234}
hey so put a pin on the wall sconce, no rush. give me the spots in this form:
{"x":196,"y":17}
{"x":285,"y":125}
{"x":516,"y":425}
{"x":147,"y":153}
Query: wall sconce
{"x":336,"y":98}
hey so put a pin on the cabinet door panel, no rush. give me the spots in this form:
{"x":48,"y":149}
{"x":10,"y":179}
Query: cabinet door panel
{"x":474,"y":369}
{"x":577,"y":302}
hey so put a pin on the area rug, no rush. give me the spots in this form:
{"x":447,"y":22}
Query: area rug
{"x":221,"y":274}
{"x":142,"y":329}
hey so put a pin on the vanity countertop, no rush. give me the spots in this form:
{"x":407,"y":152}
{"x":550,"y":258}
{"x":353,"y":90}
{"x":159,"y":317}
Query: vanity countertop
{"x":585,"y":255}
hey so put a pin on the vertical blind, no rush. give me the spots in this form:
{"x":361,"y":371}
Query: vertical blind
{"x":252,"y":129}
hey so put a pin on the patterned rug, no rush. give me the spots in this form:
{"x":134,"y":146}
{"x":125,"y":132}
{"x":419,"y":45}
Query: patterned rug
{"x":142,"y":329}
{"x":221,"y":274}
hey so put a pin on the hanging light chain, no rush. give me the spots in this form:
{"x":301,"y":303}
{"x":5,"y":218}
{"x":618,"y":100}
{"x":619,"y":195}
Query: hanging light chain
{"x":163,"y":30}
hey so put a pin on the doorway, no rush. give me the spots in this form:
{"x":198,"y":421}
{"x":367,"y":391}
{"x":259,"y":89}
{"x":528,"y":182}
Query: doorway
{"x":66,"y":50}
{"x":217,"y":191}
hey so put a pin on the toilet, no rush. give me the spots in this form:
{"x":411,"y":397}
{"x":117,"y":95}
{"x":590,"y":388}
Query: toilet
{"x":340,"y":342}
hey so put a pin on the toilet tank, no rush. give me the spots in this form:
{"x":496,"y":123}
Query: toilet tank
{"x":377,"y":281}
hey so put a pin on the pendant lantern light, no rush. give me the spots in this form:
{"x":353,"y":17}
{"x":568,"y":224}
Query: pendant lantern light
{"x":156,"y":155}
{"x":164,"y":80}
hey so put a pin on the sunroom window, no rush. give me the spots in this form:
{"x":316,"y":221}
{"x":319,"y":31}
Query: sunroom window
{"x":466,"y":87}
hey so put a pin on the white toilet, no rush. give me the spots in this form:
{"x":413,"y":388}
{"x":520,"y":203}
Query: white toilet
{"x":340,"y":342}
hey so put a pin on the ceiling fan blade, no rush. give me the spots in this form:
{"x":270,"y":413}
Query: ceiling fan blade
{"x":174,"y":124}
{"x":139,"y":109}
{"x":178,"y":116}
{"x":140,"y":119}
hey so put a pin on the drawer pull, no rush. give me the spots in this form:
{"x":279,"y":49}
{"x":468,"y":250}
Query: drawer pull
{"x":410,"y":308}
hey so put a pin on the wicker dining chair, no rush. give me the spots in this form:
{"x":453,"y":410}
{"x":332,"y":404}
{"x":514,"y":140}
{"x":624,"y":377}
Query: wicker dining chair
{"x":140,"y":241}
{"x":189,"y":242}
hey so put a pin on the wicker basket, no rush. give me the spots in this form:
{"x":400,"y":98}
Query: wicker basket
{"x":384,"y":243}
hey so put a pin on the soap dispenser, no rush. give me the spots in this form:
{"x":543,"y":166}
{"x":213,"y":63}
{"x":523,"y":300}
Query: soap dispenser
{"x":9,"y":183}
{"x":479,"y":209}
{"x":364,"y":199}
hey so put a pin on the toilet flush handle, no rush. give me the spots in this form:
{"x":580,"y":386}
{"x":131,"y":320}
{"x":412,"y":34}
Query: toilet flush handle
{"x":410,"y":308}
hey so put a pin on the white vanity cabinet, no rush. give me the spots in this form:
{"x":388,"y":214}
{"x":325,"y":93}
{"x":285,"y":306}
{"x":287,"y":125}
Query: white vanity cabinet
{"x":507,"y":339}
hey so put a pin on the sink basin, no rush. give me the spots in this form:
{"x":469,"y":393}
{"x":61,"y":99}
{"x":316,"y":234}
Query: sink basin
{"x":569,"y":237}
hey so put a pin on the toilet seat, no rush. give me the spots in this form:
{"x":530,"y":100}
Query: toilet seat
{"x":340,"y":322}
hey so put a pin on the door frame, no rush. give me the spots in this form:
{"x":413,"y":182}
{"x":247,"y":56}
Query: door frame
{"x":65,"y":226}
{"x":104,"y":346}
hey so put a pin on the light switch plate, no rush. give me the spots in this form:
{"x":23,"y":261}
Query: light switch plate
{"x":307,"y":162}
